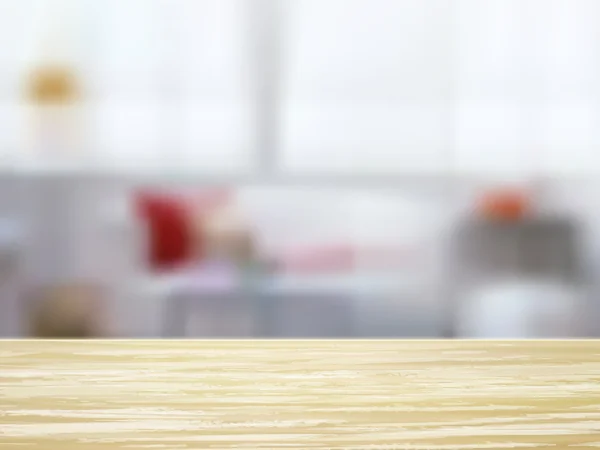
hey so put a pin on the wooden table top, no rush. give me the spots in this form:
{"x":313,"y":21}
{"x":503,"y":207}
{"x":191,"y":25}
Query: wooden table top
{"x":299,"y":394}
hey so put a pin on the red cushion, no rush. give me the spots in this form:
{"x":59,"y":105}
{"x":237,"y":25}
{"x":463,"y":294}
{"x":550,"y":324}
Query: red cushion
{"x":170,"y":219}
{"x":170,"y":231}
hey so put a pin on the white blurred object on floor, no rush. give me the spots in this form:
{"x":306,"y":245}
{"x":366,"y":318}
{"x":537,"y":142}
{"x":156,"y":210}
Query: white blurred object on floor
{"x":518,"y":309}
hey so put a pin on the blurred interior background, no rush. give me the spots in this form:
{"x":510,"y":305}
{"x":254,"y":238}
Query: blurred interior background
{"x":299,"y":168}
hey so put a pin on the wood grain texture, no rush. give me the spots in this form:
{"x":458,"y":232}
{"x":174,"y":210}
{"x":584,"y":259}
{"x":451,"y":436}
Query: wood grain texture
{"x":299,"y":394}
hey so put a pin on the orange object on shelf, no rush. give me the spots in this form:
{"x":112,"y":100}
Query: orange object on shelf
{"x":504,"y":204}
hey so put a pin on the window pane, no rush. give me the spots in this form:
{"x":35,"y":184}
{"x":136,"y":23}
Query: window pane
{"x":570,"y":125}
{"x":499,"y":94}
{"x":171,"y":83}
{"x":127,"y":50}
{"x":214,"y":76}
{"x":528,"y":88}
{"x":368,"y":85}
{"x":126,"y":91}
{"x":129,"y":133}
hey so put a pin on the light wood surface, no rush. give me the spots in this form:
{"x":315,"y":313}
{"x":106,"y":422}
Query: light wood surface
{"x":302,"y":395}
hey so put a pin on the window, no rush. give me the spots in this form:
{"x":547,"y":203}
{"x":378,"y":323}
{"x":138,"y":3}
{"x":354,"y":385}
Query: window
{"x":360,"y":86}
{"x":172,"y":84}
{"x":368,"y":86}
